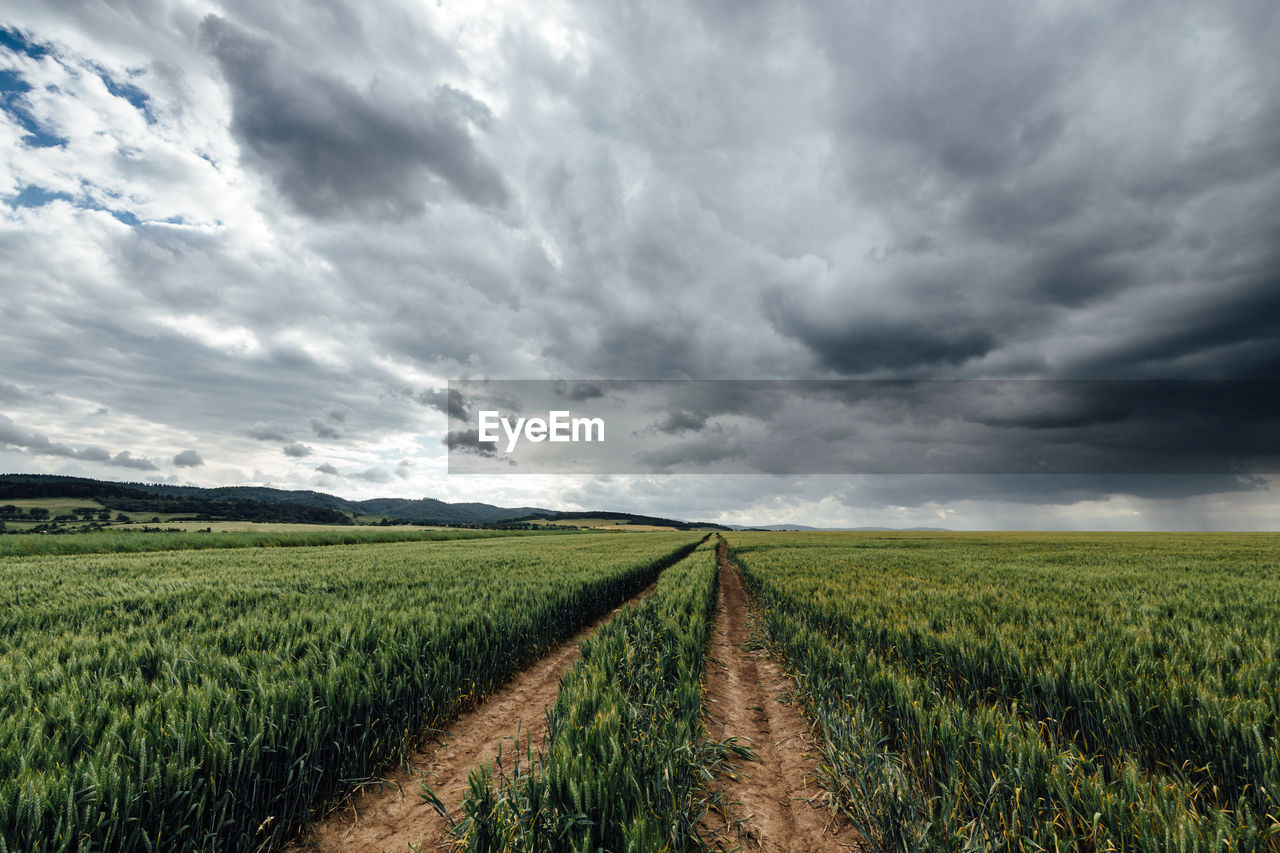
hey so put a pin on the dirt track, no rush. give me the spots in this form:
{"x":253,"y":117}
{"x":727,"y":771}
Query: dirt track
{"x":743,"y":690}
{"x":392,"y":817}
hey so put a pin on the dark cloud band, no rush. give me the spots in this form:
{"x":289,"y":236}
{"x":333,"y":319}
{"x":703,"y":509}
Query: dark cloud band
{"x":971,"y":427}
{"x":336,"y":151}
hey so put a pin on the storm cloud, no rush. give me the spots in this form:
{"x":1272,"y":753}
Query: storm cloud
{"x":447,"y":401}
{"x":337,"y":151}
{"x":324,"y":429}
{"x":188,"y":459}
{"x":891,"y":427}
{"x":222,"y":225}
{"x":125,"y":459}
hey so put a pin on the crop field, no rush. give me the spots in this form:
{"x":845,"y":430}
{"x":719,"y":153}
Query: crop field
{"x":949,"y":691}
{"x":1036,"y":691}
{"x":124,"y":540}
{"x":55,"y":506}
{"x":207,"y":700}
{"x":622,"y":767}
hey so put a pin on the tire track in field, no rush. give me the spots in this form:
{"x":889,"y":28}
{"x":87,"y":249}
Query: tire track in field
{"x":392,"y":817}
{"x":772,"y":796}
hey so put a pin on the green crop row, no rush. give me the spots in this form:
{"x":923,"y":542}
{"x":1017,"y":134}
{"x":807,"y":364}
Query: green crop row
{"x":1029,"y":693}
{"x":209,"y":700}
{"x":626,"y":761}
{"x":127,"y":541}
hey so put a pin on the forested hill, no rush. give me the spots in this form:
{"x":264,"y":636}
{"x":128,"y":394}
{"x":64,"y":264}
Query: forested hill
{"x":145,"y":500}
{"x":256,"y":503}
{"x":262,"y":503}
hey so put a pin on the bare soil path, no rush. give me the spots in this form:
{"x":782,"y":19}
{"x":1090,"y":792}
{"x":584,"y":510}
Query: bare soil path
{"x":744,"y":691}
{"x":391,"y":817}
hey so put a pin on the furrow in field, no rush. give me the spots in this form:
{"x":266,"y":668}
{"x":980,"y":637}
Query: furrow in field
{"x":393,"y":815}
{"x":776,"y":796}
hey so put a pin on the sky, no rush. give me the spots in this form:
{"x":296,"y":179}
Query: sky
{"x":251,"y":243}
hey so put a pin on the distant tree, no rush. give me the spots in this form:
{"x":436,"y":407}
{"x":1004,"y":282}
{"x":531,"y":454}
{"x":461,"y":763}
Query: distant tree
{"x":105,"y":515}
{"x":123,"y":518}
{"x":38,"y":512}
{"x":8,"y":510}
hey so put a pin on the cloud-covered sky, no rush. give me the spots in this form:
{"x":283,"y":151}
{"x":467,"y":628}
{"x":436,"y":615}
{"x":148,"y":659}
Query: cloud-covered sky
{"x":251,"y":242}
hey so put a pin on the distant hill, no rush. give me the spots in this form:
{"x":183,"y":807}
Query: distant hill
{"x":251,"y":493}
{"x":261,"y":503}
{"x":189,"y":503}
{"x":433,"y":511}
{"x":621,"y":518}
{"x":425,"y":510}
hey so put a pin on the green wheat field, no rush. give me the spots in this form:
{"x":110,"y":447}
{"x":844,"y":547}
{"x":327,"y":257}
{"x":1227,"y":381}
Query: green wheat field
{"x":968,"y":691}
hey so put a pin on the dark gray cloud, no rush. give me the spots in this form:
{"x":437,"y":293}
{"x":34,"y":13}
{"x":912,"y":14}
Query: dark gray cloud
{"x":316,"y":209}
{"x":1237,"y":334}
{"x":700,"y":452}
{"x":323,"y":429}
{"x":1012,"y":143}
{"x":11,"y":433}
{"x":468,"y":441}
{"x":188,"y":459}
{"x":268,"y":431}
{"x":579,"y":391}
{"x":13,"y":394}
{"x":891,"y":427}
{"x":326,"y":468}
{"x":865,"y":345}
{"x":297,"y":450}
{"x":447,"y":401}
{"x":335,"y":150}
{"x":125,"y":459}
{"x":680,"y":421}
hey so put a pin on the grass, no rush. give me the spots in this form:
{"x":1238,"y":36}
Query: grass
{"x":1032,"y":692}
{"x":202,"y":700}
{"x":626,"y":760}
{"x":56,"y":506}
{"x":283,"y":526}
{"x":127,"y":539}
{"x":1012,"y":692}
